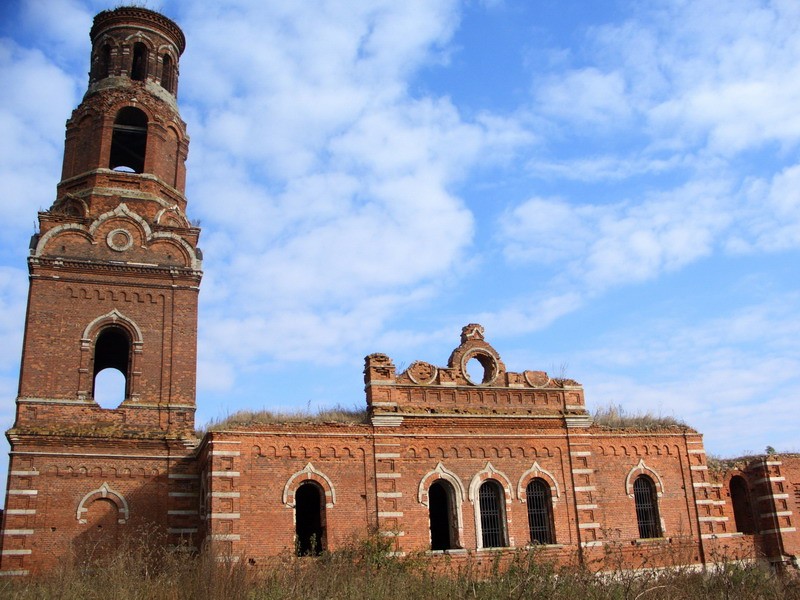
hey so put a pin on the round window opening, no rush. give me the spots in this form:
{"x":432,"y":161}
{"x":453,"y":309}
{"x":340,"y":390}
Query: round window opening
{"x":480,"y":368}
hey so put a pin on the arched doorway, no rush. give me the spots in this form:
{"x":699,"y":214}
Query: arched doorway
{"x":443,"y":517}
{"x":309,"y":515}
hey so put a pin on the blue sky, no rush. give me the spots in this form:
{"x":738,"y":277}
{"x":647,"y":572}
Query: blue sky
{"x":611,"y":188}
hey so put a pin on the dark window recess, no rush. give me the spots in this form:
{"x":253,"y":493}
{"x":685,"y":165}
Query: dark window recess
{"x":103,"y":64}
{"x":644,"y":494}
{"x":167,"y":73}
{"x":309,"y":519}
{"x":540,"y":512}
{"x":492,"y":526}
{"x":442,"y":516}
{"x":129,"y":141}
{"x":742,"y":510}
{"x":139,"y":67}
{"x":112,"y":350}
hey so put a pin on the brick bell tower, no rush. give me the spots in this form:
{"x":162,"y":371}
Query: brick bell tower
{"x":114,"y":281}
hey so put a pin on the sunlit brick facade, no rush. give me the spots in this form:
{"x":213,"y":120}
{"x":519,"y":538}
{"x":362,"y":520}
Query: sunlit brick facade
{"x":446,"y":461}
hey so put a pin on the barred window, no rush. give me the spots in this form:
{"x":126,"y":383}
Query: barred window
{"x":644,"y":494}
{"x":493,"y":531}
{"x":540,"y":512}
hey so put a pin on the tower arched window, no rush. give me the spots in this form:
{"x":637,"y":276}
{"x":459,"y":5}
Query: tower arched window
{"x":492,"y":513}
{"x":167,"y":73}
{"x":540,"y":512}
{"x":129,"y":141}
{"x":443,"y":515}
{"x":646,"y":499}
{"x":112,"y":353}
{"x":102,"y":65}
{"x":139,"y":66}
{"x":309,"y":514}
{"x":742,"y":510}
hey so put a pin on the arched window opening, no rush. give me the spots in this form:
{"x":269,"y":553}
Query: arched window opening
{"x":540,"y":512}
{"x":443,"y":516}
{"x":139,"y":68}
{"x":166,"y":72}
{"x":102,"y":67}
{"x":309,"y":515}
{"x":742,"y":511}
{"x":129,"y":141}
{"x":112,"y":351}
{"x":493,"y":530}
{"x":644,"y":494}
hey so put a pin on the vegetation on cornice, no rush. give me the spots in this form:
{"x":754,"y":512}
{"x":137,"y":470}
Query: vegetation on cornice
{"x":247,"y":419}
{"x":615,"y":417}
{"x":721,"y":464}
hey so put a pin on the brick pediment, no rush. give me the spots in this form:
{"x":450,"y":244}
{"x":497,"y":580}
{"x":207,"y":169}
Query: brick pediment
{"x":474,"y":381}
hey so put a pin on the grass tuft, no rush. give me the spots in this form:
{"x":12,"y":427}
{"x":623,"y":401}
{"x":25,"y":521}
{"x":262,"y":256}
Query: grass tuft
{"x":246,"y":419}
{"x":614,"y":417}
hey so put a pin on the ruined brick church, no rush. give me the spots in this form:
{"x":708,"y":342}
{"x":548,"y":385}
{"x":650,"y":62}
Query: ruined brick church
{"x":445,"y":462}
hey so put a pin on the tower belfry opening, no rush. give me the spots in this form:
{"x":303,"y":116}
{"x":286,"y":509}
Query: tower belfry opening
{"x":129,"y":141}
{"x":139,"y":66}
{"x":112,"y":351}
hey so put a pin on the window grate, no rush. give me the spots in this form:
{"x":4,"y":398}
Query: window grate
{"x":540,"y":512}
{"x":644,"y":494}
{"x":491,"y":515}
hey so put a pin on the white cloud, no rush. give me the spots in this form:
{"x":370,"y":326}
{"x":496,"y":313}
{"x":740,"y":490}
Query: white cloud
{"x":608,"y":245}
{"x":770,"y":214}
{"x":585,"y":96}
{"x":32,"y":115}
{"x":60,"y":23}
{"x":327,"y":188}
{"x":714,"y":374}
